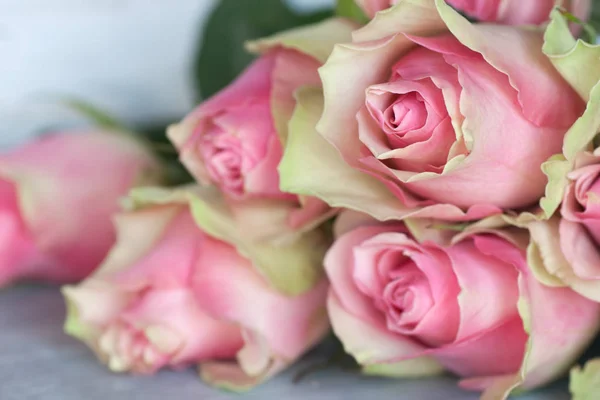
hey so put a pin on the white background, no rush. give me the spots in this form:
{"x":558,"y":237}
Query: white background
{"x":130,"y":57}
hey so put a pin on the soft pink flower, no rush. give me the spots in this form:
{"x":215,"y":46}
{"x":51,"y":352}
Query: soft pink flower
{"x":169,"y":295}
{"x":235,"y":139}
{"x":407,"y":307}
{"x":577,"y":234}
{"x":511,"y":12}
{"x":57,"y":196}
{"x":454,"y":119}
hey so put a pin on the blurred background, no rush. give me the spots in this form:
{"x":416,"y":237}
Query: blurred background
{"x":138,"y":60}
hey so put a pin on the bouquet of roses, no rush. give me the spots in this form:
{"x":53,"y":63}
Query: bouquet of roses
{"x":419,"y":176}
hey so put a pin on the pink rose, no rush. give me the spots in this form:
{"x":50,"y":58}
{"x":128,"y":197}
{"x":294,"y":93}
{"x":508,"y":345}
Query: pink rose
{"x":580,"y":226}
{"x":210,"y":306}
{"x":406,"y":307}
{"x":565,"y":249}
{"x":235,"y":139}
{"x":444,"y":118}
{"x":57,"y":195}
{"x":511,"y":12}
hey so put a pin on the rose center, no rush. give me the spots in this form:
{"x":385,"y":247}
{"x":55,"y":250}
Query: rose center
{"x":406,"y":298}
{"x":407,"y":113}
{"x":222,"y":154}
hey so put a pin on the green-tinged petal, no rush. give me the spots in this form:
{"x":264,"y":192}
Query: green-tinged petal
{"x":311,"y":166}
{"x":556,"y":169}
{"x":229,"y":376}
{"x":313,"y":45}
{"x":585,"y":382}
{"x":493,"y":42}
{"x":292,"y":265}
{"x":354,"y":66}
{"x":544,"y":256}
{"x":137,"y":234}
{"x":576,"y":60}
{"x":142,"y":197}
{"x":316,"y":40}
{"x":417,"y":368}
{"x":84,"y":322}
{"x":372,"y":346}
{"x":548,"y":263}
{"x":538,"y":268}
{"x":585,"y":129}
{"x":430,"y":230}
{"x":499,"y":225}
{"x":73,"y":325}
{"x":418,"y":17}
{"x":560,"y":324}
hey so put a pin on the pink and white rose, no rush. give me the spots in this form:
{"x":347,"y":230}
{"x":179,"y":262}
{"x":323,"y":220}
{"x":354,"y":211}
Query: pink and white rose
{"x":580,"y":224}
{"x":565,"y":248}
{"x":57,"y":196}
{"x":442,"y":119}
{"x":405,"y":301}
{"x":235,"y":139}
{"x":170,"y":295}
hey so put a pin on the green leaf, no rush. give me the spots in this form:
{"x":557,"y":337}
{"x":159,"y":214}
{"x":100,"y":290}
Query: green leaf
{"x":595,"y":17}
{"x":589,"y":33}
{"x":97,"y":116}
{"x":221,"y":57}
{"x":349,"y":9}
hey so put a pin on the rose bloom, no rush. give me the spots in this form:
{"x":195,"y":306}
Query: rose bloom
{"x":57,"y":195}
{"x":443,"y":118}
{"x":235,"y":139}
{"x":511,"y":12}
{"x":408,"y":307}
{"x":565,"y":250}
{"x":169,"y":295}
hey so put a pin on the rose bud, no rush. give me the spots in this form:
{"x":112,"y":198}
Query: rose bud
{"x":404,"y":304}
{"x":511,"y":12}
{"x":170,"y":295}
{"x":443,"y":118}
{"x":57,"y":196}
{"x":235,"y":139}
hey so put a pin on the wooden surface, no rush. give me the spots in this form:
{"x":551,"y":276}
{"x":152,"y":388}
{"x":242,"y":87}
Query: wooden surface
{"x":39,"y":362}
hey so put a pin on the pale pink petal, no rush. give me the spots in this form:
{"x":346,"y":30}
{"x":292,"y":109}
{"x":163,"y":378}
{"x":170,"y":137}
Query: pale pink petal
{"x":516,"y":53}
{"x":70,"y":184}
{"x":560,"y":322}
{"x":371,"y":7}
{"x":17,"y":249}
{"x":229,"y":288}
{"x":580,"y":250}
{"x":161,"y":314}
{"x":96,"y":303}
{"x":492,"y":352}
{"x":484,"y":10}
{"x":369,"y":343}
{"x":482,"y":277}
{"x":509,"y":179}
{"x":341,"y":267}
{"x":175,"y":252}
{"x":292,"y":70}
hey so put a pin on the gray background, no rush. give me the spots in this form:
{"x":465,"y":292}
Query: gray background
{"x":39,"y":362}
{"x":132,"y":58}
